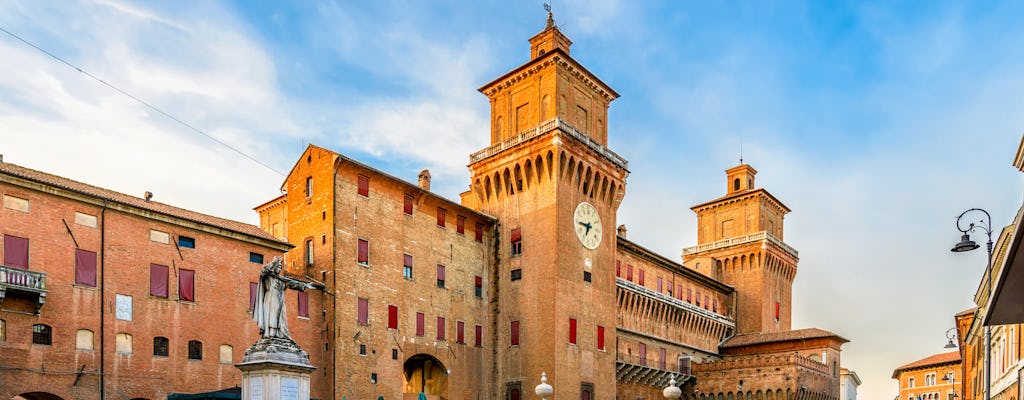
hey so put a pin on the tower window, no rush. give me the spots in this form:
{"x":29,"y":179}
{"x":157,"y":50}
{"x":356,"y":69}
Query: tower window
{"x":517,"y":274}
{"x":363,"y":252}
{"x":420,"y":328}
{"x":517,"y":242}
{"x":309,"y":187}
{"x":407,"y":206}
{"x":441,"y":216}
{"x":736,"y":184}
{"x":42,"y":334}
{"x":407,"y":266}
{"x":778,"y":306}
{"x":460,"y":224}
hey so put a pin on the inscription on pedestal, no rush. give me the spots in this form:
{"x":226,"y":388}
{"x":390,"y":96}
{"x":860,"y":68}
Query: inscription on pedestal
{"x":256,"y":388}
{"x":289,"y":389}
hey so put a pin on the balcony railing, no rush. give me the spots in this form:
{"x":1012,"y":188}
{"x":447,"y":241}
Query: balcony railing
{"x":545,"y":127}
{"x":31,"y":283}
{"x":733,"y":241}
{"x":631,"y":368}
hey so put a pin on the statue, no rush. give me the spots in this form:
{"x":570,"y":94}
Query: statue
{"x":269,"y":311}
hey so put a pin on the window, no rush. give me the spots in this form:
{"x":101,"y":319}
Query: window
{"x":363,"y":256}
{"x":407,"y":207}
{"x":440,"y":276}
{"x":15,"y":252}
{"x":777,"y":311}
{"x":440,"y":216}
{"x":640,"y":279}
{"x":910,"y":382}
{"x":364,"y":186}
{"x":517,"y":242}
{"x":671,"y":287}
{"x":309,"y":252}
{"x":659,"y":286}
{"x":478,"y":340}
{"x":618,"y":268}
{"x":642,"y":352}
{"x":420,"y":330}
{"x":736,"y":184}
{"x":362,"y":349}
{"x":85,"y":268}
{"x":513,"y":391}
{"x":587,"y":276}
{"x":514,"y":333}
{"x":517,"y":274}
{"x":479,"y":232}
{"x":661,"y":358}
{"x":15,"y":203}
{"x":195,"y":350}
{"x":186,"y":285}
{"x":159,"y":237}
{"x":707,"y":303}
{"x":186,"y":242}
{"x":3,"y":330}
{"x":83,"y":339}
{"x":158,"y":280}
{"x":253,"y":286}
{"x":373,"y":377}
{"x":41,"y":334}
{"x":392,"y":317}
{"x":394,"y":354}
{"x":460,"y":225}
{"x":929,"y":379}
{"x":161,"y":346}
{"x":255,"y":258}
{"x":123,"y":343}
{"x":363,"y":312}
{"x":227,"y":354}
{"x":460,"y":332}
{"x":84,"y":219}
{"x":689,"y":294}
{"x":629,"y":272}
{"x":478,"y":287}
{"x":407,"y":266}
{"x":440,"y":328}
{"x":303,"y":306}
{"x":586,"y":391}
{"x":309,"y":186}
{"x":572,"y":331}
{"x":123,"y":310}
{"x":600,"y":338}
{"x":714,"y":305}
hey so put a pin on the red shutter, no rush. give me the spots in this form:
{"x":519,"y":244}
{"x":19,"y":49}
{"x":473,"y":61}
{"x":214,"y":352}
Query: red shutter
{"x":186,"y":285}
{"x":158,"y":280}
{"x":642,"y":352}
{"x":618,"y":268}
{"x":600,"y":338}
{"x":460,"y":225}
{"x":572,"y":331}
{"x":407,"y":261}
{"x":479,"y":232}
{"x":85,"y":268}
{"x":479,"y":339}
{"x":641,"y":279}
{"x":707,"y":302}
{"x":364,"y":252}
{"x":777,"y":307}
{"x":440,"y":328}
{"x":517,"y":235}
{"x":659,"y":285}
{"x":253,"y":286}
{"x":661,"y":358}
{"x":479,"y":281}
{"x":689,"y":295}
{"x":364,"y":186}
{"x":629,"y":272}
{"x":303,"y":304}
{"x":363,"y":312}
{"x":671,"y":288}
{"x":440,"y":216}
{"x":715,"y":305}
{"x":514,"y":333}
{"x":407,"y":209}
{"x":15,"y":252}
{"x":460,"y":332}
{"x":420,"y":330}
{"x":440,"y":272}
{"x":515,"y":394}
{"x":392,"y":317}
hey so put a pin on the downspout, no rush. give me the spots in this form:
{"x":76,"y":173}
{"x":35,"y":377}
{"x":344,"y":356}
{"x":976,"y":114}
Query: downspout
{"x":332,"y":326}
{"x":103,"y":304}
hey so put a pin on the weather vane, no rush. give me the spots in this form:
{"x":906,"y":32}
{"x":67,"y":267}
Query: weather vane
{"x":551,"y":18}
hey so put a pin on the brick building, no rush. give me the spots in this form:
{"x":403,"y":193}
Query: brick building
{"x":936,"y":377}
{"x":105,"y":295}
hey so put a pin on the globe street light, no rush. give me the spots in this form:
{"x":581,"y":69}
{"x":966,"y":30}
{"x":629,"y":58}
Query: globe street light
{"x":672,"y":392}
{"x":543,"y":390}
{"x":966,"y":244}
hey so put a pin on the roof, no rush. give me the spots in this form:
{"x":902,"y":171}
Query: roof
{"x":748,"y":339}
{"x":135,"y":202}
{"x":741,"y":193}
{"x":644,"y":253}
{"x":613,"y":94}
{"x":952,"y":357}
{"x":966,"y":312}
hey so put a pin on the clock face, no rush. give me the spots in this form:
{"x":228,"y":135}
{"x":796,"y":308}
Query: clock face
{"x":587,"y":224}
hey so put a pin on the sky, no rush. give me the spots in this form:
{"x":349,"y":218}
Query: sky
{"x":877,"y":123}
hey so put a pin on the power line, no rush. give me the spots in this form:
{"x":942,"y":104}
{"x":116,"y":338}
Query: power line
{"x":143,"y":102}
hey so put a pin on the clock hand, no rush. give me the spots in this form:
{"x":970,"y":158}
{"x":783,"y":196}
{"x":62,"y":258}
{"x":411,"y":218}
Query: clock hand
{"x":585,"y":225}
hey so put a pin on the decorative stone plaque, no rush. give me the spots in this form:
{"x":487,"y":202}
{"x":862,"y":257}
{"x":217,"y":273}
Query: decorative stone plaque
{"x":124,"y":307}
{"x":289,"y":389}
{"x":256,"y":388}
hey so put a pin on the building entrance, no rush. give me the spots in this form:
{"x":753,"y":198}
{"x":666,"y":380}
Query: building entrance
{"x":424,"y":374}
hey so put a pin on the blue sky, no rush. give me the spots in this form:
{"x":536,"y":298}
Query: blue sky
{"x":877,"y":123}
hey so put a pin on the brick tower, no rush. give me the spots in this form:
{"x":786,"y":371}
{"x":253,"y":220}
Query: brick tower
{"x":554,"y":187}
{"x":740,"y":243}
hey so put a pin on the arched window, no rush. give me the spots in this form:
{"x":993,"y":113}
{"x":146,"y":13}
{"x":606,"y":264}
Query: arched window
{"x":83,"y":339}
{"x":736,"y":184}
{"x":161,"y":346}
{"x":42,"y":334}
{"x":195,"y":350}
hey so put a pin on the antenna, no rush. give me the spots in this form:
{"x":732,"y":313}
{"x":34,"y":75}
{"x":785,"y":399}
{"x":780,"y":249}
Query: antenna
{"x":741,"y":149}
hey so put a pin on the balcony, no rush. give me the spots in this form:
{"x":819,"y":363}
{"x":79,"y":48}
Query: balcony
{"x":656,"y":373}
{"x":733,"y":241}
{"x":545,"y":127}
{"x":23,"y":284}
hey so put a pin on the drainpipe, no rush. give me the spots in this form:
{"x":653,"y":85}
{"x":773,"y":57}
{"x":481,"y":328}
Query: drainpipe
{"x":103,"y":304}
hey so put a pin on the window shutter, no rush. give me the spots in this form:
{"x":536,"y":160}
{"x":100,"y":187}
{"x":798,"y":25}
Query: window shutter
{"x":363,"y":316}
{"x":572,"y":330}
{"x":364,"y":252}
{"x":407,"y":208}
{"x":85,"y":268}
{"x":407,"y":260}
{"x":479,"y":339}
{"x":420,"y":330}
{"x":641,"y":278}
{"x":661,"y":358}
{"x":618,"y":268}
{"x":460,"y":332}
{"x":460,"y":225}
{"x":186,"y":285}
{"x":392,"y":317}
{"x":514,"y":333}
{"x":440,"y":328}
{"x":642,"y":352}
{"x":364,"y":186}
{"x":659,"y":285}
{"x":715,"y":306}
{"x":777,"y":313}
{"x":629,"y":272}
{"x":158,"y":280}
{"x":252,"y":295}
{"x":303,"y":304}
{"x":517,"y":235}
{"x":440,"y":272}
{"x":600,"y":338}
{"x":689,"y":295}
{"x":440,"y":216}
{"x":15,"y":252}
{"x":706,"y":302}
{"x":479,"y":232}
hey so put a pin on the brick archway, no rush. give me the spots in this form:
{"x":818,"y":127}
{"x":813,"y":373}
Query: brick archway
{"x":424,"y":373}
{"x":37,"y":396}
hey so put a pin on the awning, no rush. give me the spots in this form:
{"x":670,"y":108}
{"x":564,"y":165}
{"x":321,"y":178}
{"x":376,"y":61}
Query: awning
{"x":229,"y":393}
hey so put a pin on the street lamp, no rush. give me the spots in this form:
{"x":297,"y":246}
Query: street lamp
{"x":951,"y":378}
{"x":966,"y":244}
{"x":949,"y":335}
{"x":672,"y":392}
{"x":543,"y":390}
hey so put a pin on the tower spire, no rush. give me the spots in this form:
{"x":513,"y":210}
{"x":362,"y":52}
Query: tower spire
{"x":551,"y":17}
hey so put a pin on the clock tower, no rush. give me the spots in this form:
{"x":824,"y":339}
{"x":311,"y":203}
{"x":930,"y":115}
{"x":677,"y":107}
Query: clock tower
{"x":554,"y":187}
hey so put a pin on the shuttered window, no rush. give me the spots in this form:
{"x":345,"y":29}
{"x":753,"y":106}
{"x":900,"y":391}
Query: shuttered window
{"x":517,"y":242}
{"x":479,"y":232}
{"x":364,"y":186}
{"x":661,"y":358}
{"x":186,"y":285}
{"x":85,"y":268}
{"x":460,"y":225}
{"x":303,"y":299}
{"x":15,"y":252}
{"x":158,"y":280}
{"x":440,"y":328}
{"x":600,"y":338}
{"x":363,"y":256}
{"x":441,"y":213}
{"x":407,"y":266}
{"x":629,"y":272}
{"x":460,"y":332}
{"x":420,"y":329}
{"x":363,"y":312}
{"x":642,"y":352}
{"x":572,"y":330}
{"x":618,"y":268}
{"x":514,"y":333}
{"x":777,"y":310}
{"x":478,"y":341}
{"x":478,"y":287}
{"x":407,"y":207}
{"x":392,"y":317}
{"x":440,"y":275}
{"x":640,"y":279}
{"x":670,"y":288}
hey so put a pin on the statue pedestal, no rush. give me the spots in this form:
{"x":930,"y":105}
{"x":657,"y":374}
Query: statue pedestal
{"x":275,"y":369}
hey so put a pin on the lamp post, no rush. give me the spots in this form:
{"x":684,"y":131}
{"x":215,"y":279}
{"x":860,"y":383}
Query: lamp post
{"x":672,"y":392}
{"x":543,"y":389}
{"x":951,"y":378}
{"x":966,"y":244}
{"x":949,"y":335}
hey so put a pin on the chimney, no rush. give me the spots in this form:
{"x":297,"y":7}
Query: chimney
{"x":424,"y":180}
{"x":1,"y":158}
{"x":621,"y":230}
{"x":148,"y":196}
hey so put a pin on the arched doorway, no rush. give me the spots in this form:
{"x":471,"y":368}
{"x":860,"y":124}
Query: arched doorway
{"x":422,"y":373}
{"x":37,"y":396}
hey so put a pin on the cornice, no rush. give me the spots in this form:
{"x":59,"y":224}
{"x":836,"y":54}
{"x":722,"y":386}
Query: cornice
{"x":556,"y":58}
{"x":741,"y":196}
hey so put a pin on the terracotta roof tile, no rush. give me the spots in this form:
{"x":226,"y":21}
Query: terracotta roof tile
{"x":747,"y":339}
{"x":937,"y":359}
{"x":132,"y":201}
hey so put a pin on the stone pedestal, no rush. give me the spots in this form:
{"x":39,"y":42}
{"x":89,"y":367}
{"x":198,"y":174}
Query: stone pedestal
{"x":275,"y":369}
